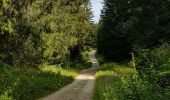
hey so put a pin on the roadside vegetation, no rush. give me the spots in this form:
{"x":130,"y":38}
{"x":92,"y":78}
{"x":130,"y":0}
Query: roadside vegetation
{"x":136,"y":32}
{"x":23,"y":83}
{"x":120,"y":81}
{"x":33,"y":83}
{"x":42,"y":45}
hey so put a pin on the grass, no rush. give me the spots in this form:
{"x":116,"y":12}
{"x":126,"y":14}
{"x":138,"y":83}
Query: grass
{"x":109,"y":83}
{"x":34,"y":83}
{"x":28,"y":83}
{"x":120,"y":82}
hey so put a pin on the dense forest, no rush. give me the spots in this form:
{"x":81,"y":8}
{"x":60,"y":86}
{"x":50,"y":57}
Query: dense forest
{"x":137,"y":32}
{"x":128,"y":25}
{"x":35,"y":33}
{"x":45,"y":43}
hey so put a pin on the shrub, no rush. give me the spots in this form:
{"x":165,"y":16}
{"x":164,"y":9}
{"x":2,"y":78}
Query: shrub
{"x":118,"y":82}
{"x":153,"y":59}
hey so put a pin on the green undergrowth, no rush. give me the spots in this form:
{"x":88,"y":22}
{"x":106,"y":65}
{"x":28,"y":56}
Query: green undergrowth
{"x":85,"y":62}
{"x":121,"y":82}
{"x":33,"y":83}
{"x":28,"y":83}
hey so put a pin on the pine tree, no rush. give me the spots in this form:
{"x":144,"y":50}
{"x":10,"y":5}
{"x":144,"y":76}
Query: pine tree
{"x":127,"y":24}
{"x":42,"y":31}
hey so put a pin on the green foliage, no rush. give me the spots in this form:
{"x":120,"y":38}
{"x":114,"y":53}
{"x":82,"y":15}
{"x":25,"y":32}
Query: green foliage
{"x":137,"y":29}
{"x":40,"y":31}
{"x":119,"y":82}
{"x":25,"y":83}
{"x":33,"y":83}
{"x":151,"y":63}
{"x":164,"y":80}
{"x":82,"y":64}
{"x":159,"y":57}
{"x":125,"y":23}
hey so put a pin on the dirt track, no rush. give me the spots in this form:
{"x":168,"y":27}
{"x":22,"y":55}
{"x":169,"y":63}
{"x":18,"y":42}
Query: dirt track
{"x":81,"y":88}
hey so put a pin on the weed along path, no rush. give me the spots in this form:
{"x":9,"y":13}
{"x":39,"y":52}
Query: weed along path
{"x":82,"y":87}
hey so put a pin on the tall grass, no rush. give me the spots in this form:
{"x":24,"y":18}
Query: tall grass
{"x":28,"y":83}
{"x":33,"y":83}
{"x":121,"y":82}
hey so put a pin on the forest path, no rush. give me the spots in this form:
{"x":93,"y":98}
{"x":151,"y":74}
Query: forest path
{"x":82,"y":87}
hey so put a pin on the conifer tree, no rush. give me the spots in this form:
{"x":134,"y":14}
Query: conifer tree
{"x":43,"y":31}
{"x":127,"y":24}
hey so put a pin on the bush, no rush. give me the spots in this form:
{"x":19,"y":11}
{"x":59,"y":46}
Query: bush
{"x":151,"y":63}
{"x":164,"y":79}
{"x":6,"y":78}
{"x":153,"y":59}
{"x":119,"y":82}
